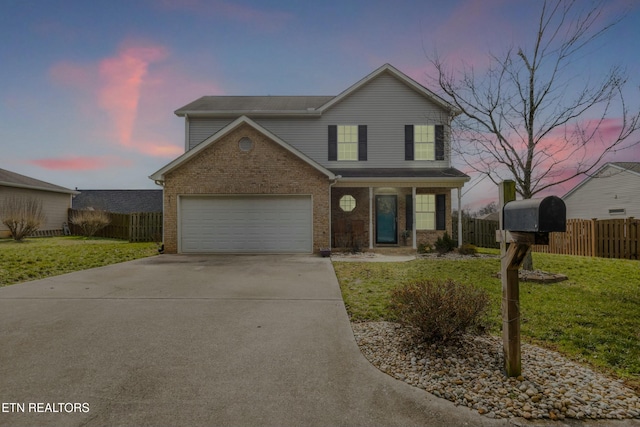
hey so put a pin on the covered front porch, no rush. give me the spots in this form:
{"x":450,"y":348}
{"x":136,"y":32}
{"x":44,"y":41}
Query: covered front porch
{"x":369,"y":215}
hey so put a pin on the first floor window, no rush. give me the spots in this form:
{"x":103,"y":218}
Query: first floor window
{"x":425,"y":212}
{"x":347,"y":203}
{"x":347,"y":142}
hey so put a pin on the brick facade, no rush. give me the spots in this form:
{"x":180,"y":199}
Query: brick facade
{"x":267,"y":168}
{"x":341,"y":218}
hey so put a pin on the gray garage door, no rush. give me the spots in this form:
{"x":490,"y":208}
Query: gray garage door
{"x":245,"y":224}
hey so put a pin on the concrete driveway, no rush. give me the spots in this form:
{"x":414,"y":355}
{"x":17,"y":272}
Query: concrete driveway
{"x":197,"y":340}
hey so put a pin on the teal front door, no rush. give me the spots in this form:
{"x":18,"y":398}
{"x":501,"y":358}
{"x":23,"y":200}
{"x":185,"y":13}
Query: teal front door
{"x":386,"y":214}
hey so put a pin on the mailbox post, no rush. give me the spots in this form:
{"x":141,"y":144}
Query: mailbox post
{"x":528,"y":222}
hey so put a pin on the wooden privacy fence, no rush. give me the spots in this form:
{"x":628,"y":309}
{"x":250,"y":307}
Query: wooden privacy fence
{"x":135,"y":227}
{"x":605,"y":238}
{"x":479,"y":232}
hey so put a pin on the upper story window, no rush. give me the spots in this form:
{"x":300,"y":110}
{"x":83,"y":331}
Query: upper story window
{"x":348,"y":142}
{"x":424,"y":142}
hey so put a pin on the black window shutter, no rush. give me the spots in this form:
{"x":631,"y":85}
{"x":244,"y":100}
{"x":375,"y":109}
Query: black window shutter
{"x":409,"y":212}
{"x":408,"y":142}
{"x":439,"y":142}
{"x":333,"y":142}
{"x":362,"y":142}
{"x":441,"y":209}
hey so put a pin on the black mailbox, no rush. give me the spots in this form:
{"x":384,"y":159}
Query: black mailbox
{"x":535,"y":215}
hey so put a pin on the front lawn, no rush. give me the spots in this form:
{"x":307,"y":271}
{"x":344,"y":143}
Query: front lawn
{"x":594,"y":316}
{"x":38,"y":258}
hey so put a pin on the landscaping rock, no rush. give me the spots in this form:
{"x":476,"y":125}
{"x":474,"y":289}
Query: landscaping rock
{"x":471,"y":374}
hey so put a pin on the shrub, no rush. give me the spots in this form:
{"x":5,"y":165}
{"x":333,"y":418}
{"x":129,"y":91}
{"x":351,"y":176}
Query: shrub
{"x":467,"y":249}
{"x":424,"y":248}
{"x":440,"y":310}
{"x":90,"y":221}
{"x":445,"y":244}
{"x":22,"y":215}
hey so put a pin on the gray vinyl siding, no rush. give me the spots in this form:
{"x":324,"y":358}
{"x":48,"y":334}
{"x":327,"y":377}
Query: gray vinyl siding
{"x":201,"y":129}
{"x":385,"y":105}
{"x":611,"y":189}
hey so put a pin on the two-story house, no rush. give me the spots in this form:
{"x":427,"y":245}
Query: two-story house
{"x":369,"y":167}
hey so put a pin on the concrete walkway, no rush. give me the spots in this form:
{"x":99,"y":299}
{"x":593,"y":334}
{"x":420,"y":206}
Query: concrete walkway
{"x":198,"y":340}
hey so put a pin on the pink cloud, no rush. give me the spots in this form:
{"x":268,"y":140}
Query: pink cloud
{"x":122,"y":77}
{"x":79,"y":163}
{"x":138,"y":88}
{"x":267,"y":20}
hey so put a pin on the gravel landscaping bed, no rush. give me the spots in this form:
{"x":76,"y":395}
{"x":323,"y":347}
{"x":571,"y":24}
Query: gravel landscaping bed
{"x":471,"y":375}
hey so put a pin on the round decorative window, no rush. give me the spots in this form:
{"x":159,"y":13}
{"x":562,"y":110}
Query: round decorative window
{"x":347,"y":203}
{"x":245,"y":144}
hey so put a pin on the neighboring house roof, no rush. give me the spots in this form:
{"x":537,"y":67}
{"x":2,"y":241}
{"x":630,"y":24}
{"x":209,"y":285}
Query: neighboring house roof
{"x":12,"y":179}
{"x":296,"y":105}
{"x":119,"y":201}
{"x":493,"y":216}
{"x":159,"y":175}
{"x":633,"y":167}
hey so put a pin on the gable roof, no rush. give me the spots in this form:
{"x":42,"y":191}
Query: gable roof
{"x":158,"y":176}
{"x":389,"y":69}
{"x":297,"y":105}
{"x":119,"y":201}
{"x":15,"y":180}
{"x":633,"y":167}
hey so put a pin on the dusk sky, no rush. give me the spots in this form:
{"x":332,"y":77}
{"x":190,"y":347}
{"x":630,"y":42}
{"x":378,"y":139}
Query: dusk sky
{"x":88,"y":88}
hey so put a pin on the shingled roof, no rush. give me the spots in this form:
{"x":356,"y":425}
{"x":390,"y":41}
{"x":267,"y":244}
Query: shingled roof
{"x":12,"y":179}
{"x":255,"y":104}
{"x":119,"y":201}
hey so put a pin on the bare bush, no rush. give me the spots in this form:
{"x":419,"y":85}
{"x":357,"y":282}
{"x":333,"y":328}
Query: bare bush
{"x":90,"y":221}
{"x":22,"y":215}
{"x":440,"y":310}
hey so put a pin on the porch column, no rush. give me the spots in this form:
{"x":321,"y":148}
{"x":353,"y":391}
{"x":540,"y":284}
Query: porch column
{"x":370,"y":217}
{"x":413,"y":218}
{"x":459,"y":216}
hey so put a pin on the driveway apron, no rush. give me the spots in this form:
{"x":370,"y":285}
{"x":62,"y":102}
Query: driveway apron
{"x":197,"y":340}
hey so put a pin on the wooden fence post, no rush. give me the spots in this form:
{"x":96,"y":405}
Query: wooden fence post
{"x":510,"y":262}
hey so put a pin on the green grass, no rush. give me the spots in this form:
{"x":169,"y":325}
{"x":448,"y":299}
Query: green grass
{"x":38,"y":258}
{"x":592,"y":317}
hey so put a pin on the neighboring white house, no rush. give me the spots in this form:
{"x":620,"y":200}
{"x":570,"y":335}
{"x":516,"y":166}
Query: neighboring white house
{"x":56,"y":200}
{"x":612,"y":192}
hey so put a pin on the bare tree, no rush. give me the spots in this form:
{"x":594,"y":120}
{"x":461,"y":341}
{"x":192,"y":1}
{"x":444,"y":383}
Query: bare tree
{"x":531,"y":117}
{"x":22,"y":215}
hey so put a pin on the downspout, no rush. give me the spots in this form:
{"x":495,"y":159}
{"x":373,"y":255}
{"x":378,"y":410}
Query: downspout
{"x":335,"y":181}
{"x":160,"y":182}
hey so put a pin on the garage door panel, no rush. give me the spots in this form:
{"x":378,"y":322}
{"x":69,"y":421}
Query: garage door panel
{"x":246,"y":224}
